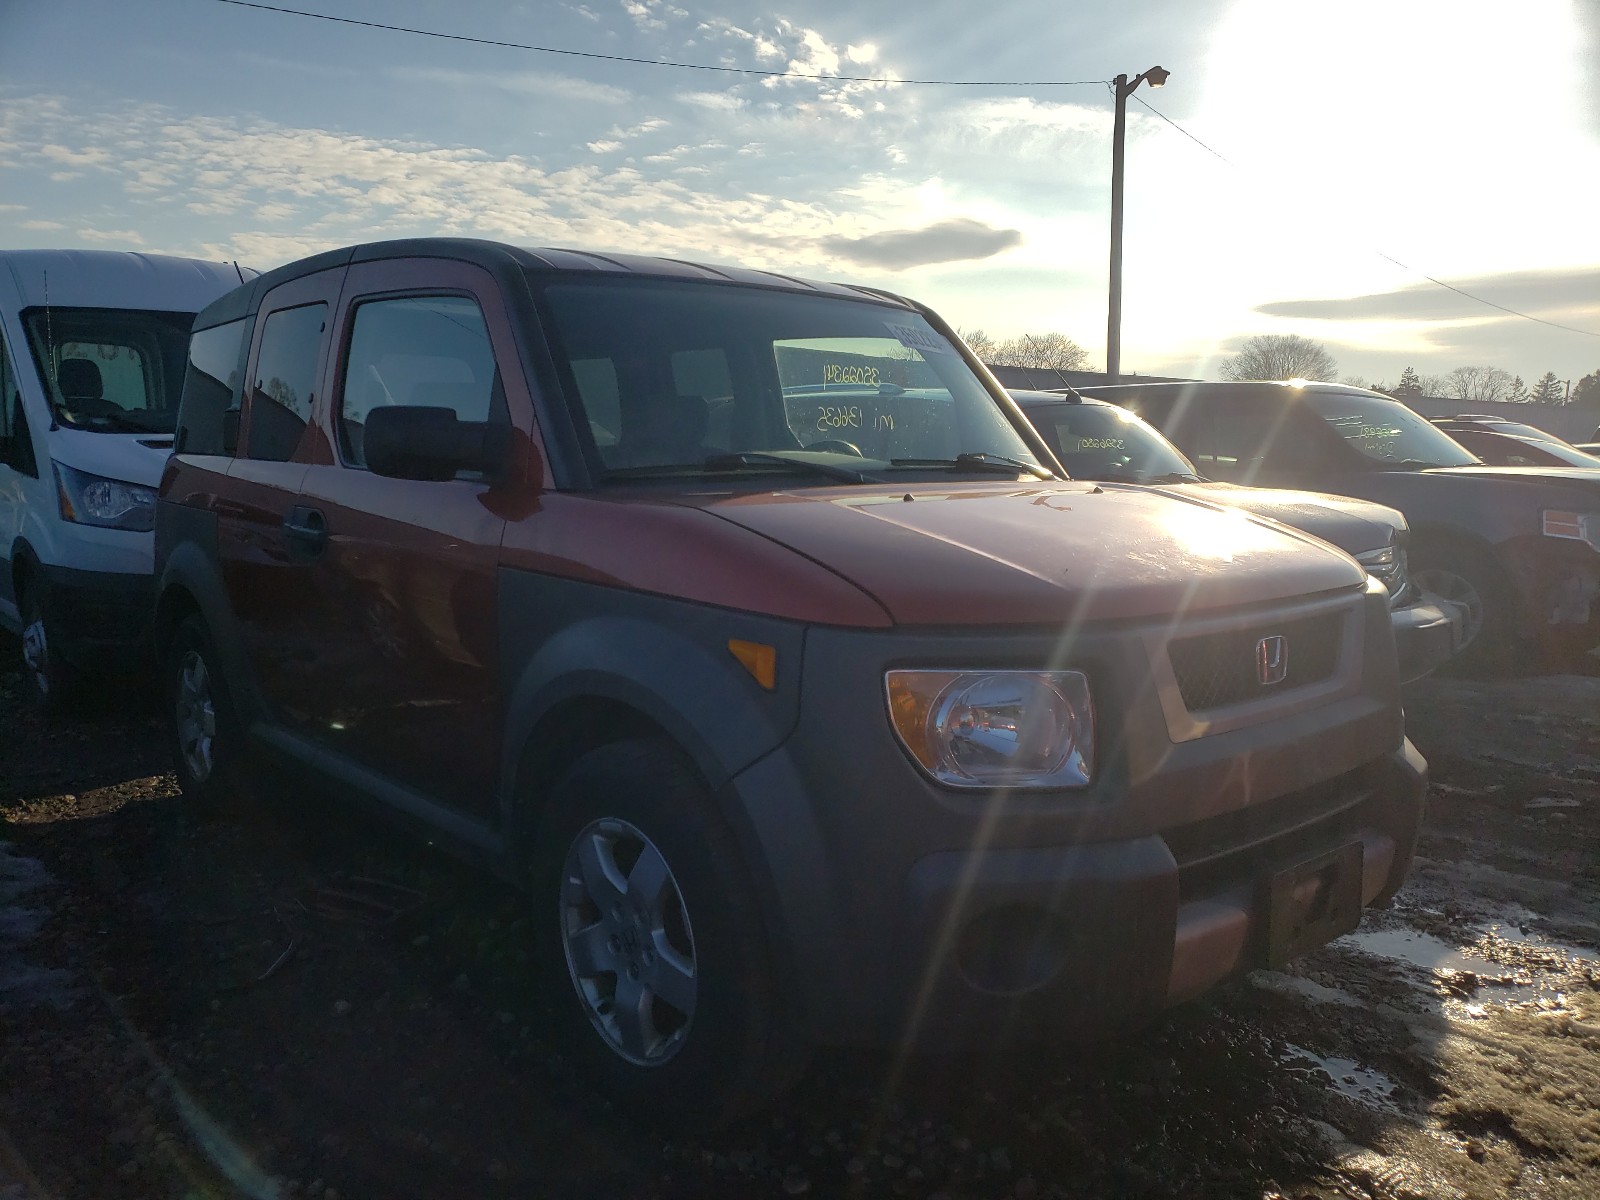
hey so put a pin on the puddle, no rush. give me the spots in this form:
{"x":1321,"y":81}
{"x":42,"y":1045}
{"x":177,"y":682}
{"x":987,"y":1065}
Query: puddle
{"x":1348,"y":1077}
{"x":1412,"y":946}
{"x":22,"y":985}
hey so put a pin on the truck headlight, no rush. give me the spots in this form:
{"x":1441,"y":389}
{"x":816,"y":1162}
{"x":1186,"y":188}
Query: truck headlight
{"x":1388,"y":566}
{"x":1580,"y":527}
{"x":110,"y":503}
{"x":984,"y":729}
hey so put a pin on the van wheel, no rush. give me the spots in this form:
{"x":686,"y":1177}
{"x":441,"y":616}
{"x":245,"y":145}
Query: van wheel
{"x":48,"y":685}
{"x":1465,"y":577}
{"x":205,"y":733}
{"x":650,"y":927}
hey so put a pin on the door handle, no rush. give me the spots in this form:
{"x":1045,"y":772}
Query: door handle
{"x":307,"y":530}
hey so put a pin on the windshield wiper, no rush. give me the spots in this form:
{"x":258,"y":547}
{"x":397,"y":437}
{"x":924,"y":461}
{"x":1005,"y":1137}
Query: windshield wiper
{"x":743,"y":458}
{"x":113,"y":420}
{"x":721,"y":463}
{"x":976,"y":460}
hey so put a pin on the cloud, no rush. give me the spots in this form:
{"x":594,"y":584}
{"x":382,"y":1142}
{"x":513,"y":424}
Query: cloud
{"x":954,"y":240}
{"x":528,"y":83}
{"x":131,"y":237}
{"x":1538,"y":292}
{"x":42,"y":225}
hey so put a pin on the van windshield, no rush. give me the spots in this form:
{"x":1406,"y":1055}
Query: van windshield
{"x":110,"y":370}
{"x":686,"y":379}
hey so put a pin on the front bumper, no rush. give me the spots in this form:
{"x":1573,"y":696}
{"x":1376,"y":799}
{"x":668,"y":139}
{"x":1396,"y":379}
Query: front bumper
{"x":1426,"y":635}
{"x":100,"y":620}
{"x":1072,"y":942}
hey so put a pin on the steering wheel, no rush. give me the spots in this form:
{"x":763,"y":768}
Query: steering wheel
{"x":837,"y":446}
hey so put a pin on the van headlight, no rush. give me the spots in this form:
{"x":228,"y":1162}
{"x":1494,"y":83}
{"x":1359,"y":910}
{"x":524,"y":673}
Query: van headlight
{"x":110,"y":503}
{"x":1388,"y":566}
{"x":985,"y":729}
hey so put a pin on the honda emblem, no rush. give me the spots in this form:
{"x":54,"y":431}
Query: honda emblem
{"x":1272,"y":659}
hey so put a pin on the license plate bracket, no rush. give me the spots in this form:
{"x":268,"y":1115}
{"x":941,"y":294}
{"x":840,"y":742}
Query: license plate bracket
{"x":1313,"y":902}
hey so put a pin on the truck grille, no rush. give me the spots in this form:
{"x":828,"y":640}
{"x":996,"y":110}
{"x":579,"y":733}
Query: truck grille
{"x":1217,"y":669}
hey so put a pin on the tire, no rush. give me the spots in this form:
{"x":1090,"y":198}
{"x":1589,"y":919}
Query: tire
{"x":206,"y":738}
{"x":640,"y":892}
{"x":1465,"y":576}
{"x":49,"y":685}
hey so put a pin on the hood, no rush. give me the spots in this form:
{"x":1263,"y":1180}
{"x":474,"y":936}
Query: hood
{"x":1589,"y":476}
{"x":1046,"y":553}
{"x":121,"y":456}
{"x":1355,"y":526}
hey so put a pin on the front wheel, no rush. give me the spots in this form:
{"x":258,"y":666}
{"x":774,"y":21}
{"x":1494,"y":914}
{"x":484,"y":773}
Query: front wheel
{"x":1467,"y":579}
{"x":47,"y":681}
{"x":651,"y":927}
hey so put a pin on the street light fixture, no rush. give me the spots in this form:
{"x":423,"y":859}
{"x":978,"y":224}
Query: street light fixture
{"x":1155,"y":77}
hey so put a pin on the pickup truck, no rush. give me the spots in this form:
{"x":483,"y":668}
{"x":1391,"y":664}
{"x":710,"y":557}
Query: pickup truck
{"x":748,"y":626}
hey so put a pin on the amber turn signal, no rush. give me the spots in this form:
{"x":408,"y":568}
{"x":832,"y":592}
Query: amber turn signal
{"x":759,"y":659}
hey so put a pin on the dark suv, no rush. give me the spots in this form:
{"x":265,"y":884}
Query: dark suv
{"x":1517,"y":547}
{"x":1095,"y":439}
{"x":748,"y":625}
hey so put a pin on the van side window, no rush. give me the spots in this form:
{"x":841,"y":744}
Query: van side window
{"x":286,"y":373}
{"x":418,"y":352}
{"x":16,"y":444}
{"x":211,"y":390}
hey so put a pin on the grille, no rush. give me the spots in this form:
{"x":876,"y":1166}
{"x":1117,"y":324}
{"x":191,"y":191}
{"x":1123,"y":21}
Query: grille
{"x":1218,"y":669}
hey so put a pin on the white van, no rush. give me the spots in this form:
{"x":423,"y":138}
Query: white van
{"x":93,"y":345}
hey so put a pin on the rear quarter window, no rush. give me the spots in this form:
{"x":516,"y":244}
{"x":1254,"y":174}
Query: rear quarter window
{"x":211,"y":390}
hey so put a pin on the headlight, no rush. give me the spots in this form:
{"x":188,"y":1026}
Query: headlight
{"x":1388,"y":566}
{"x":982,"y":729}
{"x":93,"y":500}
{"x":1580,"y":527}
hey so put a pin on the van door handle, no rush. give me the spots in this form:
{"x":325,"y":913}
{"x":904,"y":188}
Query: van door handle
{"x":307,"y":529}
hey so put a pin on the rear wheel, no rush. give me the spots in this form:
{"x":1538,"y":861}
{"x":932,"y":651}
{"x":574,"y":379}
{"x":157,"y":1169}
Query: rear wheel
{"x":651,"y":925}
{"x":205,"y":734}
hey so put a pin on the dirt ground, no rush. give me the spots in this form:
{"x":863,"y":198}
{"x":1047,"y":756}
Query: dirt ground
{"x":288,"y":1000}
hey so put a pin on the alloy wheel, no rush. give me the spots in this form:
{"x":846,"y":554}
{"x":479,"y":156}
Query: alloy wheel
{"x":36,"y":654}
{"x":196,"y":715}
{"x":1457,"y":589}
{"x":629,"y":947}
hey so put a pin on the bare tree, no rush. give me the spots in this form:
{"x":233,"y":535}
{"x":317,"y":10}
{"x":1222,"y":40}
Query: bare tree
{"x":1433,"y":385}
{"x":1054,"y":351}
{"x":1360,"y":381}
{"x":1478,"y":385}
{"x":1281,"y":356}
{"x":979,"y":342}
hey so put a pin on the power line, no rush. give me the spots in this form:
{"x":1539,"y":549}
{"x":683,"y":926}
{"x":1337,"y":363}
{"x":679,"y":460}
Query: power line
{"x":1388,"y":257}
{"x":658,"y":62}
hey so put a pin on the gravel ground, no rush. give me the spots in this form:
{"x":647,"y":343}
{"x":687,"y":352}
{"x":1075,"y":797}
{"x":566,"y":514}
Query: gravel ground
{"x":288,"y":1000}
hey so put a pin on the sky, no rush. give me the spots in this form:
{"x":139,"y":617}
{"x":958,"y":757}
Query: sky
{"x":1311,"y":164}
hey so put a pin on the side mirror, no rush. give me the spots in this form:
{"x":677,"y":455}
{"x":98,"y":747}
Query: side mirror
{"x":431,"y":444}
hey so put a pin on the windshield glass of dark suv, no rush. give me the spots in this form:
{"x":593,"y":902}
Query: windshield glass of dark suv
{"x":1387,"y":433}
{"x":686,"y":380}
{"x":1099,"y":441}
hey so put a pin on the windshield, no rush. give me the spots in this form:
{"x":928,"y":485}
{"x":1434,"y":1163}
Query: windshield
{"x":111,"y":370}
{"x":1386,"y":432}
{"x":1098,"y":441}
{"x":690,"y":379}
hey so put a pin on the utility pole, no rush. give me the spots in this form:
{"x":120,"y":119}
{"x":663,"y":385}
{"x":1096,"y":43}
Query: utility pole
{"x":1155,"y":77}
